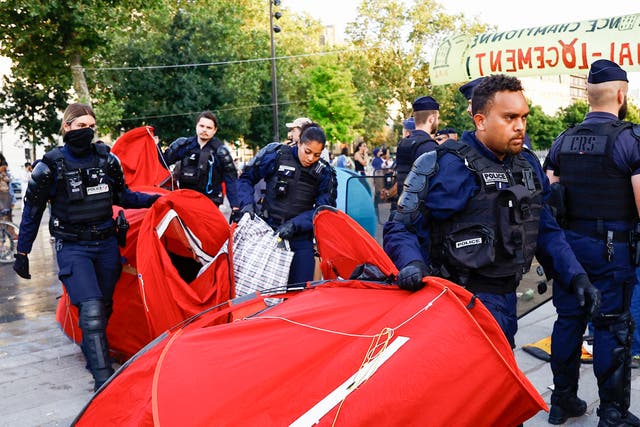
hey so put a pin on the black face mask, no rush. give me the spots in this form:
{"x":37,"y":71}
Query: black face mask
{"x":79,"y":141}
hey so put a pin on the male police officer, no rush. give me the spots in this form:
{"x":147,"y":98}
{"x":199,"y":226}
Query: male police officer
{"x":426,"y":112}
{"x":473,"y":211}
{"x":597,"y":164}
{"x":82,"y":181}
{"x":205,"y":162}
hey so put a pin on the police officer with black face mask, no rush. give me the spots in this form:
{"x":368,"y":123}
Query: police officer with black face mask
{"x":82,"y":181}
{"x":204,"y":162}
{"x":595,"y":167}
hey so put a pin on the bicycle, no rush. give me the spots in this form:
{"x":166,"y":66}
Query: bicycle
{"x":8,"y":239}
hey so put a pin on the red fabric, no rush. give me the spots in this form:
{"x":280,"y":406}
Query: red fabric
{"x":343,"y":244}
{"x":138,"y":155}
{"x":455,"y":369}
{"x":168,"y":298}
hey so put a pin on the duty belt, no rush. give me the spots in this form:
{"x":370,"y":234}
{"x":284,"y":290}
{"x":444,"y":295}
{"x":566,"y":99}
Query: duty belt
{"x":600,"y":234}
{"x":83,"y":233}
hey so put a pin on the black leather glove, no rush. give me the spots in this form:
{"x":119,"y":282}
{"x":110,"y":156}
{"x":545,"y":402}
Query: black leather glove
{"x":247,"y":209}
{"x":583,"y":289}
{"x":21,"y":266}
{"x":410,"y":277}
{"x":286,"y":230}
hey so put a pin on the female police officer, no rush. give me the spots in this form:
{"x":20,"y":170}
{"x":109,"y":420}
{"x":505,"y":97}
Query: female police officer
{"x":298,"y":181}
{"x":82,"y":181}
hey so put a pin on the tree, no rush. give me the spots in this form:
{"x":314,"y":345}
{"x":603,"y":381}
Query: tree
{"x":397,"y":39}
{"x":542,"y":129}
{"x":573,"y":114}
{"x":47,"y":42}
{"x":333,"y":101}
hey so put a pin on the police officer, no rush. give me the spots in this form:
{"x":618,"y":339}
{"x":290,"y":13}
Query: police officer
{"x":467,"y":90}
{"x":205,"y":162}
{"x":298,"y":181}
{"x":408,"y":126}
{"x":473,"y":211}
{"x":426,"y":112}
{"x":82,"y":181}
{"x":597,"y":166}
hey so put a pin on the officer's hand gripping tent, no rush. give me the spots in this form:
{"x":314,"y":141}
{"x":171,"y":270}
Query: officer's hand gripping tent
{"x":341,"y":352}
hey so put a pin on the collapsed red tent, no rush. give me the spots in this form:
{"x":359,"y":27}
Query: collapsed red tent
{"x":192,"y":233}
{"x":339,"y":353}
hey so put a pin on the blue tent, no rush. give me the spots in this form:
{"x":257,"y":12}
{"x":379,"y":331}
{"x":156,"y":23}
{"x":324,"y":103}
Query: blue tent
{"x":355,"y":199}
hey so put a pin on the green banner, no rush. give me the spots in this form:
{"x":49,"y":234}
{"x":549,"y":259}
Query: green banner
{"x":547,"y":50}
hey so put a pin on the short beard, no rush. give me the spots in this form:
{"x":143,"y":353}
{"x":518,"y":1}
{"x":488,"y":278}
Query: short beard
{"x":622,"y":113}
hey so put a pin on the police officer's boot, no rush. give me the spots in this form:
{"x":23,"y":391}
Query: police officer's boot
{"x":565,"y":404}
{"x":93,"y":323}
{"x":615,"y":388}
{"x":611,"y":415}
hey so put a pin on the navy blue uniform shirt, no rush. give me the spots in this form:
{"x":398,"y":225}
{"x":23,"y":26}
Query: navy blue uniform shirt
{"x":449,"y":191}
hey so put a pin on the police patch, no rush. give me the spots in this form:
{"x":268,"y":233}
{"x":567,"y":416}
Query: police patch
{"x":492,"y":178}
{"x":100,"y":188}
{"x":469,"y":242}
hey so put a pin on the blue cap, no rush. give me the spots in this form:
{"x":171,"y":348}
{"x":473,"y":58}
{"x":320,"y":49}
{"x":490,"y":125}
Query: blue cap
{"x":425,"y":103}
{"x":467,"y":88}
{"x":409,"y":124}
{"x":375,"y":152}
{"x":604,"y":70}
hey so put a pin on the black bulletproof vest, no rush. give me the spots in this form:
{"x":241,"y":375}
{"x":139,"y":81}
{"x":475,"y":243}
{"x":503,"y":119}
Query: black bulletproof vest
{"x":496,"y":234}
{"x":595,"y":187}
{"x":83,"y":194}
{"x":198,"y":170}
{"x":292,"y":189}
{"x":406,"y":155}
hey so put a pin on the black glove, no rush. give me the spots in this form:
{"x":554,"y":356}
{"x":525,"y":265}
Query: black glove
{"x":247,"y":209}
{"x":21,"y":266}
{"x":581,"y":287}
{"x":286,"y":230}
{"x":410,"y":277}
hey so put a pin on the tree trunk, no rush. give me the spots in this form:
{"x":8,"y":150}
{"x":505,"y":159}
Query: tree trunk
{"x":79,"y":82}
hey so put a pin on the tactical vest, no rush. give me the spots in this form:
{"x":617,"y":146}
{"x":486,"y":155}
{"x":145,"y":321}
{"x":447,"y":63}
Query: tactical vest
{"x":292,"y":189}
{"x":496,"y":234}
{"x":406,"y":155}
{"x":83,"y":195}
{"x":595,"y":187}
{"x":197,"y":169}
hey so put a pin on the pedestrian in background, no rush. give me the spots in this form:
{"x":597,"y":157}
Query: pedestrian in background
{"x":596,"y":166}
{"x":297,"y":182}
{"x":361,"y":157}
{"x":82,"y":181}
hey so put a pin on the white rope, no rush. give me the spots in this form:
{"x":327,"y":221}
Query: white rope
{"x":347,"y":334}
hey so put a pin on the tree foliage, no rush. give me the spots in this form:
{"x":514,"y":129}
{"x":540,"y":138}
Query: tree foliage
{"x":333,"y":101}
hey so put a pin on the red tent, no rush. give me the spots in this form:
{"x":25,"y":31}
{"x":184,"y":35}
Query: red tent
{"x":185,"y":268}
{"x":138,"y":155}
{"x":343,"y":352}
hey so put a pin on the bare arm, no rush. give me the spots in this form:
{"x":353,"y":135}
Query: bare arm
{"x":635,"y":184}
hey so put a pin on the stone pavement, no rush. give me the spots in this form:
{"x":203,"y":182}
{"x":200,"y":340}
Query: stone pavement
{"x":43,"y":381}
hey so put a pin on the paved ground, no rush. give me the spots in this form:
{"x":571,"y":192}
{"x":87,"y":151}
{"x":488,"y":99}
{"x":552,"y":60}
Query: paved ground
{"x":43,"y":381}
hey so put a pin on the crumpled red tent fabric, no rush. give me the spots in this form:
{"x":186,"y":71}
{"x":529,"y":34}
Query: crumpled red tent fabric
{"x":183,"y":227}
{"x":341,"y":353}
{"x":138,"y":155}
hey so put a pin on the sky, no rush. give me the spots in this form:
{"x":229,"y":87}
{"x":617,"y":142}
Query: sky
{"x":503,"y":14}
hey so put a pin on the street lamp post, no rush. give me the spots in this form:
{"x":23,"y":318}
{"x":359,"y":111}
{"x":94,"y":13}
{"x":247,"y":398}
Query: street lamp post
{"x":274,"y":83}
